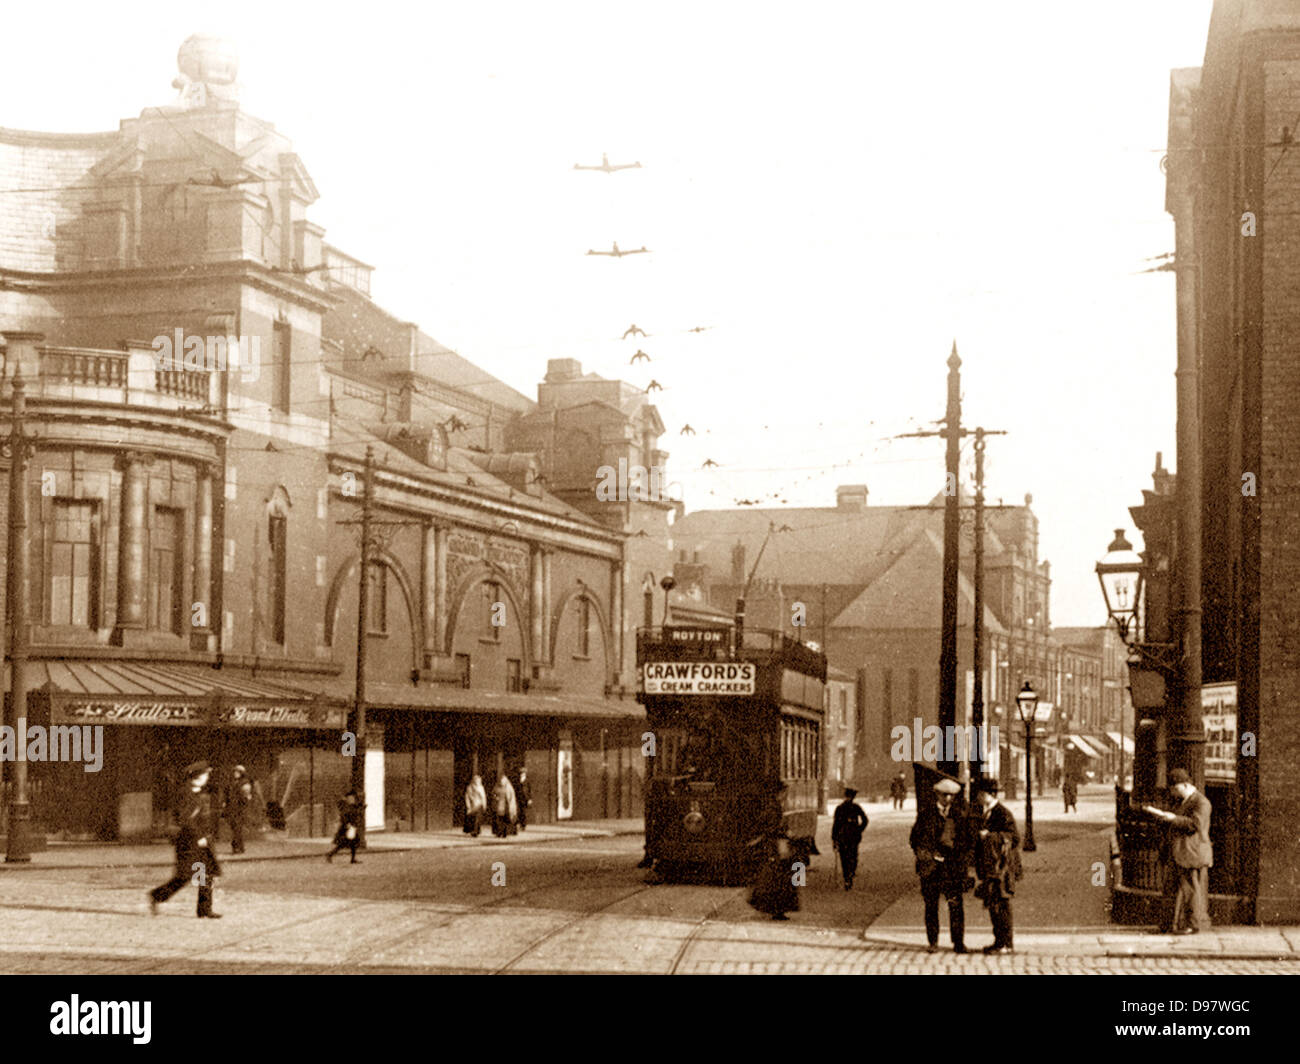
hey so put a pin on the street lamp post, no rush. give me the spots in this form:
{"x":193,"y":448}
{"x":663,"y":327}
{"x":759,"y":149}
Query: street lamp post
{"x":1120,"y":573}
{"x":667,"y":583}
{"x":1027,"y":704}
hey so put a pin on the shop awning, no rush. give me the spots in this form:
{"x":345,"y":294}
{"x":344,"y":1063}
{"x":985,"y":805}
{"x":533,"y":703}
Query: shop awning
{"x":1084,"y":747}
{"x":1122,"y":741}
{"x":468,"y":700}
{"x":109,"y":691}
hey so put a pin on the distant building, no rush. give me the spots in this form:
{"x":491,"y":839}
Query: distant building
{"x":866,"y":581}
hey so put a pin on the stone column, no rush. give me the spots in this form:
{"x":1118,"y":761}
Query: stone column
{"x":131,"y":571}
{"x":200,"y":635}
{"x":546,"y":607}
{"x":616,"y":625}
{"x":440,"y":593}
{"x":538,"y":607}
{"x":429,"y":589}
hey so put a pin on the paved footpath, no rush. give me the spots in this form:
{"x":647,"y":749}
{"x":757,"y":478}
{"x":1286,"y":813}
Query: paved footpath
{"x":1061,"y":908}
{"x":588,"y":912}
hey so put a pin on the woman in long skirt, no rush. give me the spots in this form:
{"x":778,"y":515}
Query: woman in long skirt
{"x":774,"y":891}
{"x":505,"y":811}
{"x":475,"y":806}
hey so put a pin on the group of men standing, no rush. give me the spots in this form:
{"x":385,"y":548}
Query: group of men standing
{"x":949,"y":838}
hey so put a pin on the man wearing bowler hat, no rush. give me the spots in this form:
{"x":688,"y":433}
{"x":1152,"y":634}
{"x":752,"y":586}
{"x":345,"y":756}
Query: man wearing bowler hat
{"x":1190,"y":852}
{"x":941,"y":840}
{"x":846,"y":834}
{"x":997,"y":862}
{"x":195,"y":859}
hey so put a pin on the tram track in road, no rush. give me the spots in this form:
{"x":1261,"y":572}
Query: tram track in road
{"x":695,"y":932}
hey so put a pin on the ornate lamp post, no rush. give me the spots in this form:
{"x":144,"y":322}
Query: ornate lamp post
{"x":1027,"y":705}
{"x":1120,"y":573}
{"x":667,"y":583}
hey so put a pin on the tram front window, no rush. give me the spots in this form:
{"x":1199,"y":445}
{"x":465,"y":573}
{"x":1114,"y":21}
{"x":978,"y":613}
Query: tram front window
{"x":691,"y":756}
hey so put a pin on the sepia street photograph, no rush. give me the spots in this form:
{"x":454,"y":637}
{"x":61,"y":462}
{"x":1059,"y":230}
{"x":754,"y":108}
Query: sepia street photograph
{"x":600,"y":489}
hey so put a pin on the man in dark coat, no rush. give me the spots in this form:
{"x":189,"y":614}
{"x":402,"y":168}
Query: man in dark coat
{"x":1070,"y":793}
{"x":846,"y":834}
{"x":997,"y":863}
{"x":1191,"y":854}
{"x":241,"y":796}
{"x":523,"y":798}
{"x":195,"y":859}
{"x":351,"y":810}
{"x":898,"y":790}
{"x":941,"y":840}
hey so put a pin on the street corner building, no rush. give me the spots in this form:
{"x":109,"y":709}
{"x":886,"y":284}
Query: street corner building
{"x":1220,"y":534}
{"x":216,"y":402}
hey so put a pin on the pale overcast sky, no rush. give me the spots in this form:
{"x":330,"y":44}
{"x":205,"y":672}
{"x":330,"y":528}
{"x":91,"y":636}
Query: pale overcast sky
{"x":837,"y":190}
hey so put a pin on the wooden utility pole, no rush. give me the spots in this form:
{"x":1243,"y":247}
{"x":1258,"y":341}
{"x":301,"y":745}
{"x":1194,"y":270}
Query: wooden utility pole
{"x":20,"y":447}
{"x":952,"y":432}
{"x":977,"y":697}
{"x":357,"y":725}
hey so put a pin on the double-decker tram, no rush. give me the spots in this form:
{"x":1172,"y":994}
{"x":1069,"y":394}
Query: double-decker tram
{"x":730,"y":723}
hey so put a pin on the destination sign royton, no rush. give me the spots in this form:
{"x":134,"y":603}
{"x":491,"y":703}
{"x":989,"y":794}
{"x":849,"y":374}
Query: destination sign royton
{"x":699,"y":677}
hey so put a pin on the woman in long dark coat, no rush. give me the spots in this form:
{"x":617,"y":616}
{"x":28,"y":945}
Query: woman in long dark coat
{"x":774,"y":890}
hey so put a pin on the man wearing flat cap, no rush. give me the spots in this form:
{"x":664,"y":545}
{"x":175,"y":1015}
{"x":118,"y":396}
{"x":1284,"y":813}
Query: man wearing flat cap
{"x":941,"y":840}
{"x":1190,"y":852}
{"x":195,"y":859}
{"x":846,"y":834}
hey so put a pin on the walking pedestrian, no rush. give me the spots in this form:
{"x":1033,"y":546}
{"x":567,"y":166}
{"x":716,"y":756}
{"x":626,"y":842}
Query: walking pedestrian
{"x":1070,"y":793}
{"x":1190,"y":854}
{"x":846,"y":834}
{"x":237,"y":803}
{"x":997,"y":863}
{"x":351,"y":809}
{"x":505,"y":808}
{"x":898,"y":790}
{"x":475,"y":806}
{"x":941,"y":841}
{"x":524,"y":798}
{"x":774,"y":890}
{"x":195,"y":859}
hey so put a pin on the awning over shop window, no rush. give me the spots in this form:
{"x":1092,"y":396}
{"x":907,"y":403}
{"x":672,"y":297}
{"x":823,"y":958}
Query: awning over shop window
{"x":1122,"y":741}
{"x":468,"y":700}
{"x":1084,"y":747}
{"x":94,"y":691}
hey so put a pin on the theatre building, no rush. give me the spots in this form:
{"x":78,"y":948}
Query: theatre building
{"x":193,"y":543}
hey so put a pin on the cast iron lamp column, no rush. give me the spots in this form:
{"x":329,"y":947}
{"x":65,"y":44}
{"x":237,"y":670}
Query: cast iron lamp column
{"x":667,"y":583}
{"x":1027,"y":704}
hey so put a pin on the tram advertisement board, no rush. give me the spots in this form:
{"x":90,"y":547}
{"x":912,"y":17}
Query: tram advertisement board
{"x":1219,"y":715}
{"x":699,"y":677}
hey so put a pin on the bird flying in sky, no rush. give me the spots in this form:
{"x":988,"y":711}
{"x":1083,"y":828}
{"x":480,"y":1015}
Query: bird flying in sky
{"x":709,"y":463}
{"x":638,"y":357}
{"x":687,"y":430}
{"x":605,"y":166}
{"x":654,"y":386}
{"x":618,"y":252}
{"x":634,"y":330}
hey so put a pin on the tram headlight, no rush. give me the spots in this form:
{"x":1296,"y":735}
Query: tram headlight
{"x":693,"y":822}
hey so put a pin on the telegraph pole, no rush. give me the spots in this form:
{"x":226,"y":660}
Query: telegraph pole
{"x":977,"y":697}
{"x":952,"y":432}
{"x":357,"y":726}
{"x":20,"y":447}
